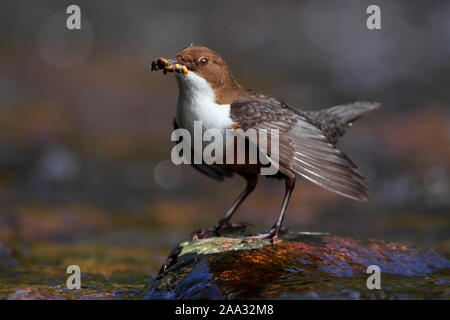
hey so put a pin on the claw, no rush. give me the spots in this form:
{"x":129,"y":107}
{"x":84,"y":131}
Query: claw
{"x":273,"y":235}
{"x":217,"y":230}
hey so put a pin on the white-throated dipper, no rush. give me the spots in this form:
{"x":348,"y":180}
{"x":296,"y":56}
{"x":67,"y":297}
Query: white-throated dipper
{"x":207,"y":92}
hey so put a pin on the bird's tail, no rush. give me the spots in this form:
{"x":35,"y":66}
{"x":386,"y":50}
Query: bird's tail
{"x":336,"y":120}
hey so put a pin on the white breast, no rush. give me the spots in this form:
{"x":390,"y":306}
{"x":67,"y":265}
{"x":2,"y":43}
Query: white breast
{"x":196,"y":102}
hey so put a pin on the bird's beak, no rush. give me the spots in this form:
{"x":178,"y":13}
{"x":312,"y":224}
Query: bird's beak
{"x":168,"y":65}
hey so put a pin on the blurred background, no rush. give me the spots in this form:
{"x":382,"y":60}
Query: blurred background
{"x":85,"y":126}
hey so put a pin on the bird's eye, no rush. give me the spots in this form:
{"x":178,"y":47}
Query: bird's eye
{"x":204,"y":61}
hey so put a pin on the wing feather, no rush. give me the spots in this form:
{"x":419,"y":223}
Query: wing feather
{"x":303,"y":147}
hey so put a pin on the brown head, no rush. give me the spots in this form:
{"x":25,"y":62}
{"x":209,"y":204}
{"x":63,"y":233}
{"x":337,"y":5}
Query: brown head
{"x":209,"y":65}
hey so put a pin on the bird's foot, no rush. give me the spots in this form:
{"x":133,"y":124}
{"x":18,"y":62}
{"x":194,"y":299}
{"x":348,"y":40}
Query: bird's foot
{"x":273,"y":235}
{"x":217,"y":230}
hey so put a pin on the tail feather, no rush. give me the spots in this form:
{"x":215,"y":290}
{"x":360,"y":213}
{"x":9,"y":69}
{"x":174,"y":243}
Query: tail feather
{"x":336,"y":120}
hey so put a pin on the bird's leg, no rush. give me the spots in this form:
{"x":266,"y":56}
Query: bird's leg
{"x":224,"y":223}
{"x":276,"y":230}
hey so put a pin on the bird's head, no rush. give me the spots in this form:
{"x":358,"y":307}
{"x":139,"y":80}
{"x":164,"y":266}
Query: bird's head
{"x":205,"y":63}
{"x":195,"y":62}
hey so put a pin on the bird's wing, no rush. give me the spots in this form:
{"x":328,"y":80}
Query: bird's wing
{"x":216,"y":173}
{"x":303,"y":147}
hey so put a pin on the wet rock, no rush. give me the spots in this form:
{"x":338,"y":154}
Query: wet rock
{"x":301,"y":265}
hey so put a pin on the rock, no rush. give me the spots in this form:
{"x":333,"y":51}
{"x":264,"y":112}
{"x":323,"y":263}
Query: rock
{"x":299,"y":266}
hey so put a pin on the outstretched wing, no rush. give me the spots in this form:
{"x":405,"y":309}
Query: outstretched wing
{"x":303,"y":147}
{"x":216,"y":173}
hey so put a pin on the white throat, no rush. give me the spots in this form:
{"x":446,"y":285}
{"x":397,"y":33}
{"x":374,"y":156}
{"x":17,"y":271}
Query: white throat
{"x":196,"y":102}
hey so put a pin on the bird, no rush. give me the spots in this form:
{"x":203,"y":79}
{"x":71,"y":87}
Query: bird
{"x":208,"y":92}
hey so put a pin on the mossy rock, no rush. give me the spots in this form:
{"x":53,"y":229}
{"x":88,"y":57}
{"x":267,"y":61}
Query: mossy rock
{"x":300,"y":265}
